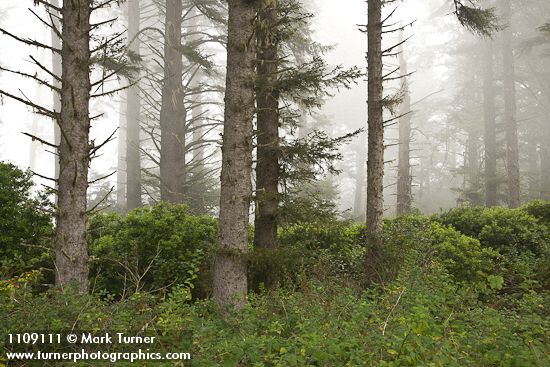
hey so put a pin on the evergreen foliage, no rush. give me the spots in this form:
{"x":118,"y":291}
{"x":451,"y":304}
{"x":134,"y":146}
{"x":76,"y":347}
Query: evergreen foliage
{"x":478,"y":20}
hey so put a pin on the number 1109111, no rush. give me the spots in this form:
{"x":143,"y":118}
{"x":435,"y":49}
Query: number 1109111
{"x":34,"y":338}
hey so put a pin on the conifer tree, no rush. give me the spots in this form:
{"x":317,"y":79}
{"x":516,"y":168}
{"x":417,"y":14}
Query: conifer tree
{"x":173,"y":112}
{"x":508,"y":71}
{"x":490,"y":133}
{"x":133,"y":111}
{"x":375,"y":159}
{"x":177,"y":74}
{"x":230,"y":269}
{"x":292,"y":80}
{"x":267,"y":105}
{"x":481,"y":21}
{"x":78,"y":53}
{"x":404,"y":179}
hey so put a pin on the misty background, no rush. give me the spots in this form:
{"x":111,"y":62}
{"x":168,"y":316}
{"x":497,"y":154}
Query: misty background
{"x":442,"y":56}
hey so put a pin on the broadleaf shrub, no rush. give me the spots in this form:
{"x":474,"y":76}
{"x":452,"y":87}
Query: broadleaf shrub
{"x":322,"y":250}
{"x":505,"y":230}
{"x":151,"y":248}
{"x":26,"y":229}
{"x":521,"y":239}
{"x":540,"y":210}
{"x":428,"y":320}
{"x":416,"y":241}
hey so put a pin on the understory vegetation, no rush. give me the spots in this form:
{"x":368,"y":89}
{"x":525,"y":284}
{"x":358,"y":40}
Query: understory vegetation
{"x":467,"y":287}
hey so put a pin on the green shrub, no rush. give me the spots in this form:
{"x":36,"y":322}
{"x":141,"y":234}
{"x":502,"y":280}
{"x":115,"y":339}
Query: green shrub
{"x":423,"y":318}
{"x":506,"y":230}
{"x":521,"y":238}
{"x":331,"y":235}
{"x":540,"y":210}
{"x":151,"y":248}
{"x":417,"y":242}
{"x":26,"y":229}
{"x":336,"y":249}
{"x":331,"y":249}
{"x":431,"y":321}
{"x":402,"y":235}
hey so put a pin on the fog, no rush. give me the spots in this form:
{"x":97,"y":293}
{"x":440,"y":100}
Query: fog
{"x":449,"y":104}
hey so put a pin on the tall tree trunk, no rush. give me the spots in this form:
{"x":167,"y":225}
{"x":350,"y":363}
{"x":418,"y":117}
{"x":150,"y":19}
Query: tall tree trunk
{"x":267,"y":104}
{"x":545,"y":163}
{"x":472,"y":144}
{"x":533,"y":158}
{"x":230,"y":278}
{"x":360,"y":161}
{"x":71,"y":257}
{"x":56,"y":70}
{"x":121,"y":159}
{"x":491,"y":180}
{"x":133,"y":105}
{"x":472,"y":166}
{"x":375,"y":162}
{"x":173,"y":113}
{"x":197,"y":188}
{"x":512,"y":146}
{"x":404,"y":179}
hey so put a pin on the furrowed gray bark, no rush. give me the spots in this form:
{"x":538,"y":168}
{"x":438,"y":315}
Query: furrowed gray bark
{"x":375,"y":160}
{"x":230,"y":278}
{"x":71,"y":257}
{"x":173,"y":113}
{"x":133,"y":106}
{"x":267,"y":104}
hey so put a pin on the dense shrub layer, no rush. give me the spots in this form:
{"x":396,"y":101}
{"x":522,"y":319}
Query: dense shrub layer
{"x":150,"y":249}
{"x":466,"y":288}
{"x":423,"y":318}
{"x":521,"y":238}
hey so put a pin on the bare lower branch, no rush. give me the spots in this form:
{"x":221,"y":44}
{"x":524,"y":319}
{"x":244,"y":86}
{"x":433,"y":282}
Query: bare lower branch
{"x":33,"y":77}
{"x":101,"y":178}
{"x":33,"y":137}
{"x":39,"y":109}
{"x":29,"y":42}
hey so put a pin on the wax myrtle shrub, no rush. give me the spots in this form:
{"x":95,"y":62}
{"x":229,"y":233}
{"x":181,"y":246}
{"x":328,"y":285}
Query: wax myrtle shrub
{"x":150,"y":249}
{"x":26,"y":228}
{"x":423,"y":317}
{"x":442,"y":303}
{"x":335,"y":249}
{"x":462,"y":256}
{"x":321,"y":250}
{"x":539,"y":209}
{"x":522,"y":239}
{"x":506,"y":230}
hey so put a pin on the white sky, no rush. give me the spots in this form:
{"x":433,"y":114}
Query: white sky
{"x":335,"y":24}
